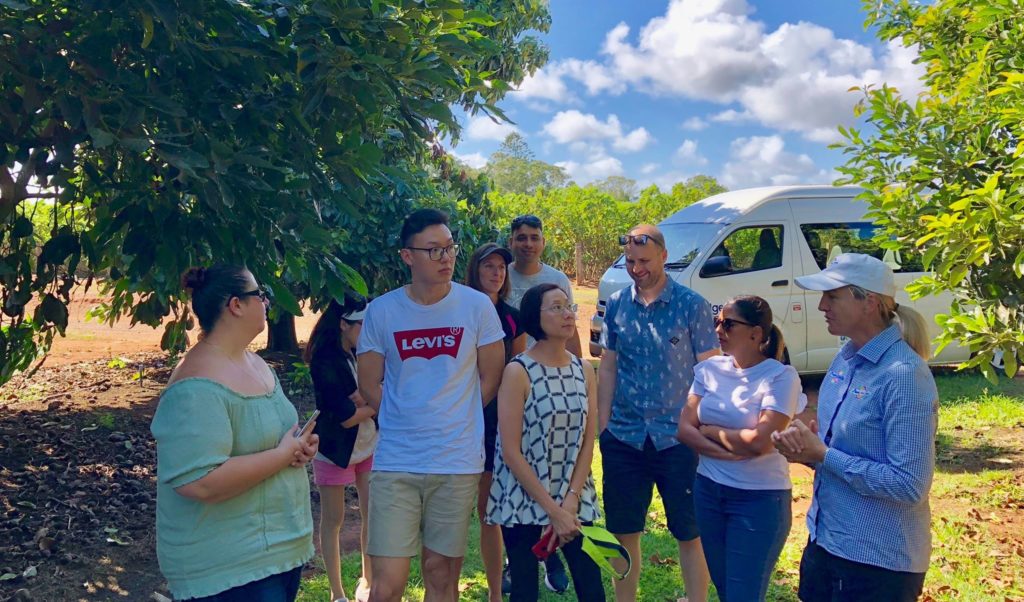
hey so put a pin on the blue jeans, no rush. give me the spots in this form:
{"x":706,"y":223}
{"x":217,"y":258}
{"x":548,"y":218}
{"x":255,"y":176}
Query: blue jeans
{"x":281,"y":587}
{"x":742,"y":532}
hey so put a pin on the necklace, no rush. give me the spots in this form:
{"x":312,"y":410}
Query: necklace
{"x":247,"y":367}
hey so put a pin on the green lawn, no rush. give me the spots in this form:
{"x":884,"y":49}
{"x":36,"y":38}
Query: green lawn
{"x":977,"y":507}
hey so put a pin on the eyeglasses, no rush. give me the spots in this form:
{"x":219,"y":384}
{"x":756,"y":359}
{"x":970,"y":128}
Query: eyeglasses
{"x":526,"y":220}
{"x":259,"y":292}
{"x":436,"y":253}
{"x":728,"y":323}
{"x":560,"y":309}
{"x":637,"y":239}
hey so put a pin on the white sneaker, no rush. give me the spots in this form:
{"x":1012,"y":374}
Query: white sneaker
{"x":362,"y":591}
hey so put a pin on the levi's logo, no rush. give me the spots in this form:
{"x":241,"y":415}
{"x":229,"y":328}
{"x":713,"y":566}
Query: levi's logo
{"x":428,"y":343}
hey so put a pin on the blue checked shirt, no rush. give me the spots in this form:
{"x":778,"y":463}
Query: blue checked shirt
{"x":877,"y":412}
{"x":656,"y":348}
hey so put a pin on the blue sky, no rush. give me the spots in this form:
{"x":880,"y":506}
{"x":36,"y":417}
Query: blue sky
{"x":748,"y":91}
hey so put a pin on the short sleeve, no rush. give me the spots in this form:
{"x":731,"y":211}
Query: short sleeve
{"x":702,"y":326}
{"x":567,"y":285}
{"x":370,"y":337}
{"x":490,"y":330}
{"x":783,"y":394}
{"x":193,"y":434}
{"x":609,"y":336}
{"x":698,"y":387}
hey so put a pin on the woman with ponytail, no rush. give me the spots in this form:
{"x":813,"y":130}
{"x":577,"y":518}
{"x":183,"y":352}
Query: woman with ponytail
{"x":873,"y":445}
{"x":233,"y":519}
{"x":742,"y":493}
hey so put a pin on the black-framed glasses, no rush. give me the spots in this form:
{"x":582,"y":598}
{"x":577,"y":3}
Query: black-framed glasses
{"x":527,"y":220}
{"x":637,"y":239}
{"x":436,"y":253}
{"x":258,"y":292}
{"x":728,"y":323}
{"x":558,"y":308}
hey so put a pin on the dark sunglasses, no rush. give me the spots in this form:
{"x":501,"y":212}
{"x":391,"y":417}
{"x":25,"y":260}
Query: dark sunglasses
{"x":259,"y":292}
{"x":728,"y":323}
{"x":637,"y":239}
{"x":526,"y":220}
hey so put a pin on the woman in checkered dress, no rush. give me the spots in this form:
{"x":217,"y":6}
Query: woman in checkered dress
{"x":547,"y":419}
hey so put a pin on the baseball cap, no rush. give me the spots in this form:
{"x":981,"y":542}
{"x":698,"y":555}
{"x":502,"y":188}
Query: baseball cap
{"x":354,"y":316}
{"x":854,"y":269}
{"x":492,"y":248}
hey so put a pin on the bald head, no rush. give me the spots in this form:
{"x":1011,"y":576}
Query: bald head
{"x":651,"y":231}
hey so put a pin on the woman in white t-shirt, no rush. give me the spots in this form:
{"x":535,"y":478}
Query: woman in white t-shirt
{"x":742,"y":493}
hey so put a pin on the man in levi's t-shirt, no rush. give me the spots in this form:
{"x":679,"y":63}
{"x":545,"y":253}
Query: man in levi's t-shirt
{"x":437,"y":347}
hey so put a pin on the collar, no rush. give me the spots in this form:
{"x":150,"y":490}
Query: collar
{"x":874,"y":349}
{"x":665,"y":296}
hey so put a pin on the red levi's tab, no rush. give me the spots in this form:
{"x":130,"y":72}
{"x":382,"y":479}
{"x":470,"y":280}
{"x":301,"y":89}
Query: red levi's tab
{"x":428,"y":343}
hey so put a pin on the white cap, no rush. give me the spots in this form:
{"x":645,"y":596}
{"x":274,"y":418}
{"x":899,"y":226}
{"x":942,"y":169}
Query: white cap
{"x":852,"y":269}
{"x":354,"y":316}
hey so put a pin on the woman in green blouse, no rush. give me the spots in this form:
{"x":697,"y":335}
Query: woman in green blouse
{"x":233,"y":515}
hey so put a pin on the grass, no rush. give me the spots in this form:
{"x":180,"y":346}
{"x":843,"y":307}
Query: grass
{"x":977,"y":512}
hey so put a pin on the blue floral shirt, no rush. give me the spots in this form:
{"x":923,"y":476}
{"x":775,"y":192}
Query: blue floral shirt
{"x":656,"y":348}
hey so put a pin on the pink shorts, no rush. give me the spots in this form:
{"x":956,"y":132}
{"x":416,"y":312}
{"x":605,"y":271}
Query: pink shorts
{"x":326,"y":473}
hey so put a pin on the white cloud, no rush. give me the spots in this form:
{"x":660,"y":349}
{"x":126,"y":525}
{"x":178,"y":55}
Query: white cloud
{"x":694,"y":124}
{"x":572,"y":126}
{"x":474,"y":160}
{"x":732,"y":116}
{"x":584,"y":172}
{"x":597,"y":78}
{"x":764,"y":160}
{"x":687,"y":153}
{"x":544,"y":84}
{"x":649,"y":168}
{"x":795,"y":78}
{"x":482,"y":127}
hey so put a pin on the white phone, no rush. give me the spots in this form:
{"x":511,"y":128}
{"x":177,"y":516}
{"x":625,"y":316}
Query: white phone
{"x":309,"y":424}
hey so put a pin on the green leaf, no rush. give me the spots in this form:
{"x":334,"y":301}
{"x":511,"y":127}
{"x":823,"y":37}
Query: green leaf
{"x":147,"y":29}
{"x":285,"y":298}
{"x":12,"y":4}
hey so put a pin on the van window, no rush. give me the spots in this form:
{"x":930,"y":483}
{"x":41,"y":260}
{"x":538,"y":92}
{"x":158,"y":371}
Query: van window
{"x":827,"y":241}
{"x":749,"y":249}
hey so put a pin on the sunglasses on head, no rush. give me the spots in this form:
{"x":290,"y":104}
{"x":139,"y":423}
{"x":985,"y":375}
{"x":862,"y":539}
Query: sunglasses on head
{"x":728,"y":323}
{"x":637,"y":239}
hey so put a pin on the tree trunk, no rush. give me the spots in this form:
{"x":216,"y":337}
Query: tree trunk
{"x":281,"y":334}
{"x":579,"y":264}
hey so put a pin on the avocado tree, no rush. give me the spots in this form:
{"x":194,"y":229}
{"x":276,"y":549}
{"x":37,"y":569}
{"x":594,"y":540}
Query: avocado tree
{"x":179,"y":132}
{"x":944,"y":172}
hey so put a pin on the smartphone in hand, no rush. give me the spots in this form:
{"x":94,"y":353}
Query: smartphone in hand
{"x":300,"y":432}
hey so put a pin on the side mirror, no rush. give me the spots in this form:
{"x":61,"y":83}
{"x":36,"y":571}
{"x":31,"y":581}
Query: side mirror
{"x":716,"y":266}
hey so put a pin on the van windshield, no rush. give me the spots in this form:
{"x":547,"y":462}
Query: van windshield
{"x":683,"y":242}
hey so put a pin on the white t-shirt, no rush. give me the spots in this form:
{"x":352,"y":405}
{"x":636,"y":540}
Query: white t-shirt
{"x":733,"y":398}
{"x":431,"y":413}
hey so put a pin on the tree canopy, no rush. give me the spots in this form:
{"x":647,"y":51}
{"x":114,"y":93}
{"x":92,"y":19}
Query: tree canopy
{"x":274,"y":133}
{"x":944,"y":172}
{"x":513,"y":168}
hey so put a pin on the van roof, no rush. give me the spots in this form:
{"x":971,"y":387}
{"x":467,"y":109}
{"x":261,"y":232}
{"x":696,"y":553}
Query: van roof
{"x":726,"y":207}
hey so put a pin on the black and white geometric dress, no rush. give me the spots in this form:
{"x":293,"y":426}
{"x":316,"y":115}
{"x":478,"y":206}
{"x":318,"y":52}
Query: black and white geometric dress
{"x":554,"y":420}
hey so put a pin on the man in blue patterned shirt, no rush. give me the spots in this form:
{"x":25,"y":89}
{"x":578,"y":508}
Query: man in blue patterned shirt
{"x":654,"y":332}
{"x":873,"y":446}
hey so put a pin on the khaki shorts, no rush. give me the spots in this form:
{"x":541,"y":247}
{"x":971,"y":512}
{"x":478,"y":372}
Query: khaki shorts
{"x":412,"y":510}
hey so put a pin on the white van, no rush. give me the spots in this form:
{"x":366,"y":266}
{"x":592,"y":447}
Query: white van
{"x":756,"y":241}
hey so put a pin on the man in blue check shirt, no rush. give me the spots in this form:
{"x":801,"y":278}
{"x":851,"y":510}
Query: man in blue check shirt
{"x":873,"y":445}
{"x":654,"y":332}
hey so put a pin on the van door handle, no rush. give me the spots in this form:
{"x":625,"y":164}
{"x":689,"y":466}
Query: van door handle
{"x":780,"y":283}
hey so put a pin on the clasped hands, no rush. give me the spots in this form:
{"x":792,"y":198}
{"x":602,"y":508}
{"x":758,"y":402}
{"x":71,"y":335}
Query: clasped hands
{"x":800,"y":443}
